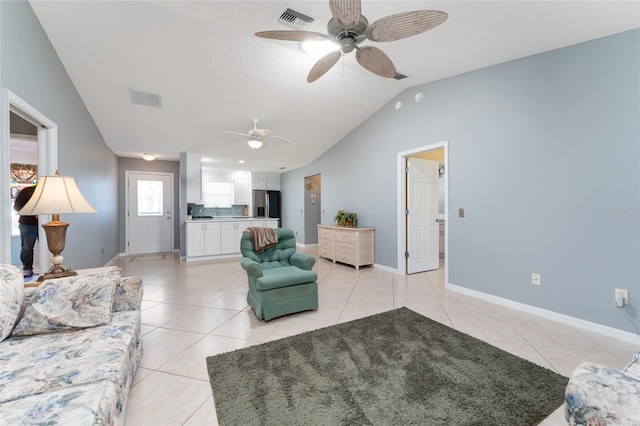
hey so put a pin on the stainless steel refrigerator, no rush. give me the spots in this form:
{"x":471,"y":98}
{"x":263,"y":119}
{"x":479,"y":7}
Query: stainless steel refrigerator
{"x":266,"y":203}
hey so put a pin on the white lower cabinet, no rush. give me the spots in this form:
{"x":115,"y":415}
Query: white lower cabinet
{"x":230,"y":234}
{"x":218,"y":237}
{"x":265,"y":223}
{"x":203,"y":239}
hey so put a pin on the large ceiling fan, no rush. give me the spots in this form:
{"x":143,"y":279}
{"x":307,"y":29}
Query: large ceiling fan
{"x":349,"y":28}
{"x":256,"y":137}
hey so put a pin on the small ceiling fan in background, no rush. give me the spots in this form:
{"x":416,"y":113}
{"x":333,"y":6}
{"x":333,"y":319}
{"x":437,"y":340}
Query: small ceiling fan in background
{"x":348,"y":28}
{"x":257,"y":137}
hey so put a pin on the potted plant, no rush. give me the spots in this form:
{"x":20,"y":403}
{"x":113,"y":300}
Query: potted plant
{"x":345,"y":218}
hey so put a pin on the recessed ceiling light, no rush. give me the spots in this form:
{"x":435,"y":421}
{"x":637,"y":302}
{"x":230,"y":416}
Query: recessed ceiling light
{"x":419,"y":97}
{"x":398,"y":105}
{"x":241,"y":161}
{"x":148,"y":157}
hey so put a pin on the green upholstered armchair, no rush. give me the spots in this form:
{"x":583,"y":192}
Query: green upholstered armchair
{"x":281,"y":281}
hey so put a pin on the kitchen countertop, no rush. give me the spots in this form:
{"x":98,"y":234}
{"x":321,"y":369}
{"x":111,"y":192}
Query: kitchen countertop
{"x":229,"y":219}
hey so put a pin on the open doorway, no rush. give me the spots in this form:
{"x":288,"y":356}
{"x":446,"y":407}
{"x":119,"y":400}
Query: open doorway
{"x":46,"y":152}
{"x":23,"y":173}
{"x":312,"y":208}
{"x":435,"y":153}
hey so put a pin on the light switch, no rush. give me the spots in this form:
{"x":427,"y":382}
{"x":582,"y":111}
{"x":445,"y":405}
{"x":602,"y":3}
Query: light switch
{"x":460,"y":212}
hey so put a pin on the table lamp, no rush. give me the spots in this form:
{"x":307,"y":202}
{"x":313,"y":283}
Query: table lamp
{"x":56,"y":195}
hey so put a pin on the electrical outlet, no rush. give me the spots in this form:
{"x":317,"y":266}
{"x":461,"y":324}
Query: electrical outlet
{"x":535,"y":279}
{"x":624,"y":294}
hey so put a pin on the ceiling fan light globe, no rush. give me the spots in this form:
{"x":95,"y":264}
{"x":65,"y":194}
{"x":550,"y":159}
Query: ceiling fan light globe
{"x":255,"y":144}
{"x":317,"y":49}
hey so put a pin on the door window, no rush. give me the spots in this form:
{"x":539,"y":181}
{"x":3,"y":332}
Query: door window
{"x":149,"y":198}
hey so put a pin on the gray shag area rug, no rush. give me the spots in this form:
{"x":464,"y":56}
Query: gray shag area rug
{"x":394,"y":368}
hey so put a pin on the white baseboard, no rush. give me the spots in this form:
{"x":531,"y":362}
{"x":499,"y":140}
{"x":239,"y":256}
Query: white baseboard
{"x":113,"y":259}
{"x":394,"y":271}
{"x":554,"y":316}
{"x":214,"y":257}
{"x":306,"y":245}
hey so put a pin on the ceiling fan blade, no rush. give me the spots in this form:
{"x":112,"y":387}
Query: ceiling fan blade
{"x":236,"y":133}
{"x":403,"y":25}
{"x":346,"y":12}
{"x":293,"y":35}
{"x":323,"y":65}
{"x":261,"y":133}
{"x":281,"y":139}
{"x":376,"y":61}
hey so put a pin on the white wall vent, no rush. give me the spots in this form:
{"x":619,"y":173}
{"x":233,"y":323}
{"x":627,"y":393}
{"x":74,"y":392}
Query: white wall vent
{"x":144,"y":98}
{"x":295,"y":20}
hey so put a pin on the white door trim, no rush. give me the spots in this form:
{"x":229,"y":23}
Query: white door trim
{"x":127,"y":173}
{"x":402,"y":202}
{"x":47,"y":164}
{"x":422,"y":230}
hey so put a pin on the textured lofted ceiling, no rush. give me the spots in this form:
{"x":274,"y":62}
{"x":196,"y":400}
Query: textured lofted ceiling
{"x":214,"y":74}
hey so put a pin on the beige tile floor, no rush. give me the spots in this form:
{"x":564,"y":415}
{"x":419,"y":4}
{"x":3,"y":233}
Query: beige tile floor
{"x":197,"y":309}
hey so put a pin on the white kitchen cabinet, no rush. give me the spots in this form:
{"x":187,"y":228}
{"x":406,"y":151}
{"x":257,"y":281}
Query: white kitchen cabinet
{"x":268,"y":181}
{"x":266,"y":223}
{"x":258,"y":181}
{"x":272,"y":183}
{"x":241,"y":190}
{"x":203,"y":239}
{"x":230,"y":234}
{"x":194,"y":178}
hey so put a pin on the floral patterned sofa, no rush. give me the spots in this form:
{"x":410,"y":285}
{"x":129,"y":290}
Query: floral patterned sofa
{"x":69,"y":348}
{"x":598,"y":396}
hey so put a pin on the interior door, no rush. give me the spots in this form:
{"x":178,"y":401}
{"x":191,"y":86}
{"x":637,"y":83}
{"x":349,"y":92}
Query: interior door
{"x":422,"y":218}
{"x":149,"y":212}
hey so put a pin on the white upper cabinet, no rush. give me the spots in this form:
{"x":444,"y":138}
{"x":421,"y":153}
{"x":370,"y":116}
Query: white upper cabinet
{"x":268,"y":181}
{"x":241,"y":188}
{"x":194,"y":178}
{"x":257,"y":181}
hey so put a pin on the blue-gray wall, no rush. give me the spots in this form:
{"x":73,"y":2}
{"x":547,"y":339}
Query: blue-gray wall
{"x":32,"y":70}
{"x":544,"y":156}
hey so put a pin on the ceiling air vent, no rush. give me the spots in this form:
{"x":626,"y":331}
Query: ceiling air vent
{"x":295,"y":20}
{"x":144,"y":98}
{"x":399,"y":76}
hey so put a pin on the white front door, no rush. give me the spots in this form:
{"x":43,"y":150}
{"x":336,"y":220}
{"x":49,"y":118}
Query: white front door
{"x":422,"y":219}
{"x":149,"y":212}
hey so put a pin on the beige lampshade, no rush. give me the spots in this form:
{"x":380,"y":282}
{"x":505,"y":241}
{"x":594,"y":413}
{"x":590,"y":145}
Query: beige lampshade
{"x":56,"y":195}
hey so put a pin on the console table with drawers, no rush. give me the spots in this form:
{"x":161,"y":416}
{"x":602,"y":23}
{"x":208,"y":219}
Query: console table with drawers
{"x":354,"y":246}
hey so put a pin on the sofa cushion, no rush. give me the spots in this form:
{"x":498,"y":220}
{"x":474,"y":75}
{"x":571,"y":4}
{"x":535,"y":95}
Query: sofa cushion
{"x":70,"y":302}
{"x":11,"y":295}
{"x":128,"y":295}
{"x":597,"y":395}
{"x":47,"y":362}
{"x":88,"y":404}
{"x":284,"y":276}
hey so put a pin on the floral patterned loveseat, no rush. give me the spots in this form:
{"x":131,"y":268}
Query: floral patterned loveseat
{"x":598,"y":396}
{"x":69,"y":348}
